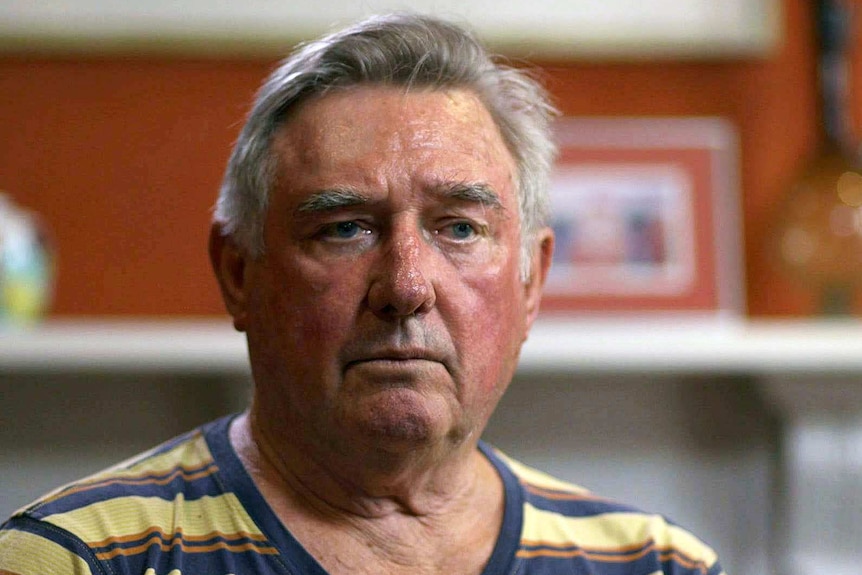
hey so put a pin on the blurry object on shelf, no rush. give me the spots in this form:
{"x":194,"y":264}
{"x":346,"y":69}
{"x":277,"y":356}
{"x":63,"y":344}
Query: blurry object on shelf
{"x":818,"y":233}
{"x":26,"y":266}
{"x":645,"y":212}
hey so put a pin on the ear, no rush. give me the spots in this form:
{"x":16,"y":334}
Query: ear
{"x":543,"y":252}
{"x":229,"y":263}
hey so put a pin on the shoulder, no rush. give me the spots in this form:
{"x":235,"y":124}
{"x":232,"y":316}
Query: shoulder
{"x":102,"y":516}
{"x":175,"y":467}
{"x":563,"y":522}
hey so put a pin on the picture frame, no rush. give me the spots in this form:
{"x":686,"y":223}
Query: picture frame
{"x":646,"y":217}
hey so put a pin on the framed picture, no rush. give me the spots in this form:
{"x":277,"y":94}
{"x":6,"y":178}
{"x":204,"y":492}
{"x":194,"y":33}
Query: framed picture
{"x":646,"y":217}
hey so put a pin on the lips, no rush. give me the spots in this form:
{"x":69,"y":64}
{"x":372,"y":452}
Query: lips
{"x":396,"y":355}
{"x":408,"y":344}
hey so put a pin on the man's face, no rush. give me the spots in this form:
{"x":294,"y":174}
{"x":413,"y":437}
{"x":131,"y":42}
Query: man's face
{"x":387,"y":309}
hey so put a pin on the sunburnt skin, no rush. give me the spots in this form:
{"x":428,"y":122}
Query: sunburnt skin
{"x":395,"y":222}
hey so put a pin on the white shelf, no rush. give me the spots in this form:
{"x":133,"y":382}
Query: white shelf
{"x":680,"y":345}
{"x":208,"y":346}
{"x":672,"y":345}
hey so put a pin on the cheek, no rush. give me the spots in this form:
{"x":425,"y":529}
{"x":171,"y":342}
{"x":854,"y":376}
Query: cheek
{"x":311,"y":308}
{"x":493,"y":329}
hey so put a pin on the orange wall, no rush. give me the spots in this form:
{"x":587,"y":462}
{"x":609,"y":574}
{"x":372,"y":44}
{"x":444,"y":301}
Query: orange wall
{"x":123,"y":156}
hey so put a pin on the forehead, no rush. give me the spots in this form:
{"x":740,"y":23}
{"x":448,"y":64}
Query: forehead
{"x":378,"y":132}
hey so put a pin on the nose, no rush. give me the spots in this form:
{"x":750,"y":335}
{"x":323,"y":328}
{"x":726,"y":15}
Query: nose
{"x":401,"y":283}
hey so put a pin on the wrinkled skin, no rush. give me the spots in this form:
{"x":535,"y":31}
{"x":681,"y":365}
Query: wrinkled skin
{"x":386,"y":315}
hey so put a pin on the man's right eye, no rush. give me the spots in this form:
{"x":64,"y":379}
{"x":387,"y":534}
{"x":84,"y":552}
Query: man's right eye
{"x":344,"y":230}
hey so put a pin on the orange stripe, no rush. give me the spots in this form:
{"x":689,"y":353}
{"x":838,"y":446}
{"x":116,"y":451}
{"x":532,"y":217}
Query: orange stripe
{"x":608,"y":557}
{"x":179,"y":468}
{"x":178,"y":533}
{"x":187,"y":474}
{"x":683,"y":560}
{"x":178,"y":541}
{"x":629,"y":549}
{"x":4,"y":572}
{"x":562,"y":495}
{"x":550,"y":553}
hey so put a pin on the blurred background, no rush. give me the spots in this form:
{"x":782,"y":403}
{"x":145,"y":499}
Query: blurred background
{"x":116,"y":120}
{"x":118,"y":147}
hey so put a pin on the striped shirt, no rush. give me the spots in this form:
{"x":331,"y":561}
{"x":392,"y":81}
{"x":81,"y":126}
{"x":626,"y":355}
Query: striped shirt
{"x":189,"y":507}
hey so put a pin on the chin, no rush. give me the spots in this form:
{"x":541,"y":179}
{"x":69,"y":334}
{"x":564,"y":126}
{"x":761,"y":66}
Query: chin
{"x":402,"y":420}
{"x":407,"y":430}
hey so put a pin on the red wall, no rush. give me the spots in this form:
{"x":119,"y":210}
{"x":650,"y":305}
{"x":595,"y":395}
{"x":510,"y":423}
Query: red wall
{"x":122,"y":156}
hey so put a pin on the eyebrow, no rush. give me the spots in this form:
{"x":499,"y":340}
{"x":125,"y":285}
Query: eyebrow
{"x":328,"y":200}
{"x":479,"y":193}
{"x":337,"y":198}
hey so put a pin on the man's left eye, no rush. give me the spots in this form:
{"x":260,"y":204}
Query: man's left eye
{"x":346,"y":229}
{"x":461,"y":230}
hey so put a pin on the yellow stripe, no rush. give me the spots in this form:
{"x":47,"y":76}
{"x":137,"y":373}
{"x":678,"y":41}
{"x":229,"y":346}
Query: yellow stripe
{"x":538,"y":478}
{"x":130,"y":517}
{"x":23,"y":553}
{"x":610,"y":533}
{"x":138,"y":479}
{"x":179,"y":533}
{"x":192,"y":454}
{"x":563,"y":495}
{"x":605,"y":557}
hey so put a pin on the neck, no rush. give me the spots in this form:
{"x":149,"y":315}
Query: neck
{"x":416,"y":517}
{"x":434,"y":481}
{"x":421,"y":515}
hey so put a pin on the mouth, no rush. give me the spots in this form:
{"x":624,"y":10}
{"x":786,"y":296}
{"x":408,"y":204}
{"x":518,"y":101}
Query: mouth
{"x":396,"y":357}
{"x":397,"y":362}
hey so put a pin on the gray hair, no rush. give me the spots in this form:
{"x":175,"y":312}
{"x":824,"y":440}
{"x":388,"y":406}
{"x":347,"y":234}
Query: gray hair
{"x":402,"y":50}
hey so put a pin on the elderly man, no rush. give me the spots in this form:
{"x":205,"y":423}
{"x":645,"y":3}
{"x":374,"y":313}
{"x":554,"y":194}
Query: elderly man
{"x":380,"y":238}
